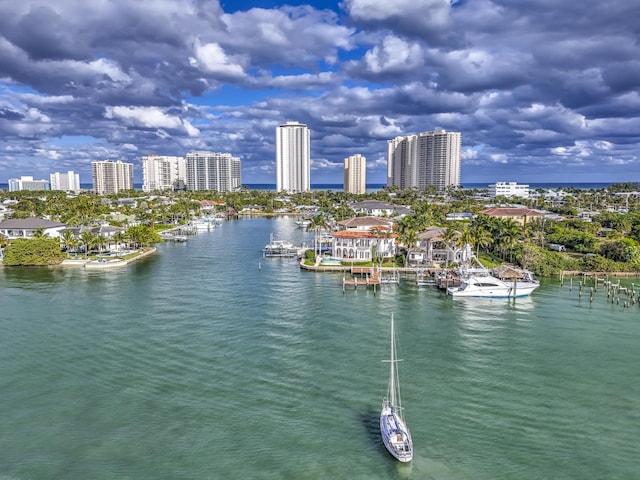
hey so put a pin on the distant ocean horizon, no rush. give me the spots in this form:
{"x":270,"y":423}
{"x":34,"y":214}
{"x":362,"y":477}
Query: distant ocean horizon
{"x":374,"y":187}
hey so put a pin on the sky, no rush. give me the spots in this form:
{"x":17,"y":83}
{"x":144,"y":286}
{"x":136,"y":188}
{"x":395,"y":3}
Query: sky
{"x":541,"y":90}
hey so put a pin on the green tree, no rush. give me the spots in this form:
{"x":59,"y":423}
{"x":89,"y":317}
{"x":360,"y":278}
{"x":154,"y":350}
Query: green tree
{"x":69,"y":241}
{"x":142,"y":235}
{"x":451,"y":239}
{"x":87,"y":239}
{"x":318,"y":222}
{"x":118,"y":238}
{"x":38,"y":233}
{"x":623,"y":250}
{"x":34,"y":251}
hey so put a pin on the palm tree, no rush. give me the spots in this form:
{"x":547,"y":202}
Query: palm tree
{"x":318,"y":222}
{"x":507,"y":236}
{"x":69,"y":240}
{"x":87,"y":240}
{"x":481,"y":238}
{"x":101,"y":242}
{"x":409,"y":239}
{"x":451,"y":239}
{"x":118,"y":238}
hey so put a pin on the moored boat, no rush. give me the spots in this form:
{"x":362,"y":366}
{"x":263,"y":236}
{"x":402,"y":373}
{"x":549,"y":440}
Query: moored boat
{"x":476,"y":280}
{"x":281,"y":248}
{"x":479,"y":283}
{"x":303,"y":222}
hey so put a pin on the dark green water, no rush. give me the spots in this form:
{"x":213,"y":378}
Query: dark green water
{"x":207,"y":361}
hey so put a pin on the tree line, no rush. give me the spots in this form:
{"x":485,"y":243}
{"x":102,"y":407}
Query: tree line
{"x":609,"y":242}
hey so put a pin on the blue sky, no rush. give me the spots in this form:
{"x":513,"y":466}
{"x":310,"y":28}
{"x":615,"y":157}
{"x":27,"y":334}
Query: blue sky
{"x":542,"y":91}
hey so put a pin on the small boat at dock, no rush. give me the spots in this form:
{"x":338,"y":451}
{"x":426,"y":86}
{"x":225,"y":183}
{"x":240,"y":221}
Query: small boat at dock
{"x":281,"y":248}
{"x":303,"y":222}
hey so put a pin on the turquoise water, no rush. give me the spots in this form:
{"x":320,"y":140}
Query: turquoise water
{"x":207,"y":361}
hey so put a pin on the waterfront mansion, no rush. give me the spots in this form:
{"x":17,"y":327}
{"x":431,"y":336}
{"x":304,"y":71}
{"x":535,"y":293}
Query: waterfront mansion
{"x":362,"y":238}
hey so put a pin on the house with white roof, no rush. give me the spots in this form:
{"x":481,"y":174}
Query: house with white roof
{"x":378,"y":208}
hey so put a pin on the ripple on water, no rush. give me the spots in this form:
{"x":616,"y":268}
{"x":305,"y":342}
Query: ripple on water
{"x":148,"y":372}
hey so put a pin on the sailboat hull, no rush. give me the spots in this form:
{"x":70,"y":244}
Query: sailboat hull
{"x":395,"y":435}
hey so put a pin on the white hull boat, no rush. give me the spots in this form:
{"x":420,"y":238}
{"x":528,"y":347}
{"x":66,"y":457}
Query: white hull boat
{"x":480,"y":283}
{"x":281,"y":248}
{"x":477,"y":281}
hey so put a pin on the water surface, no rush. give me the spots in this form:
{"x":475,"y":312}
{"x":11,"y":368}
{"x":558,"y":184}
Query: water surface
{"x":208,"y":361}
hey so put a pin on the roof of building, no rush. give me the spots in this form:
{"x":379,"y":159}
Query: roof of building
{"x":507,"y":272}
{"x":366,"y":222}
{"x":511,"y":212}
{"x":372,"y":205}
{"x":432,"y":233}
{"x":359,"y":234}
{"x":31,"y":223}
{"x":96,"y":230}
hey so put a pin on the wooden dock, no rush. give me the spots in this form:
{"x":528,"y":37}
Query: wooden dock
{"x":362,"y":277}
{"x":370,"y":276}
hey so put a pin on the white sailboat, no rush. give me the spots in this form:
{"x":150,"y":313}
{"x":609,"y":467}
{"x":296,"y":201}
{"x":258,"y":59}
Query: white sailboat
{"x":394,"y":431}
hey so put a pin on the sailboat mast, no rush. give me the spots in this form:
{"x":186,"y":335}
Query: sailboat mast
{"x":392,"y":379}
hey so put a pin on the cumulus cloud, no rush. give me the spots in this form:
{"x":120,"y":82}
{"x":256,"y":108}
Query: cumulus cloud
{"x":529,"y":84}
{"x":393,"y":55}
{"x":212,"y":58}
{"x":420,"y":17}
{"x":149,"y":117}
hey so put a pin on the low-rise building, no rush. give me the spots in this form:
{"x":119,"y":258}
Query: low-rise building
{"x":519,"y":215}
{"x":508,"y":189}
{"x":27,"y":183}
{"x":25,"y":227}
{"x":432,"y":249}
{"x":378,"y":208}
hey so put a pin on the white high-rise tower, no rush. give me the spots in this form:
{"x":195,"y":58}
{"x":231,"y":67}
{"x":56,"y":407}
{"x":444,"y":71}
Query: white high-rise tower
{"x":111,"y":177}
{"x":213,"y":171}
{"x":423,"y":160}
{"x":68,"y":182}
{"x":293,"y":158}
{"x":160,"y":172}
{"x":355,"y":174}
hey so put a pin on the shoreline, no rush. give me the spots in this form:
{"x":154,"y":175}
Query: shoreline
{"x":70,"y":262}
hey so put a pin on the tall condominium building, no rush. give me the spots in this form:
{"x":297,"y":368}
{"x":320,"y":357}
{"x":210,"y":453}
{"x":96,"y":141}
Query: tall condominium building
{"x":423,"y":160}
{"x":213,"y":171}
{"x":160,"y":172}
{"x":355,"y":174}
{"x":293,"y":158}
{"x":68,"y":182}
{"x":111,"y":177}
{"x":27,"y":183}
